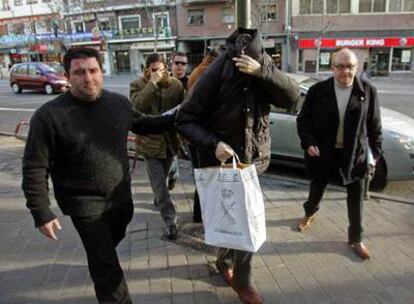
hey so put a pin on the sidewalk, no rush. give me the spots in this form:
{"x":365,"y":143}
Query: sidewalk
{"x":315,"y":267}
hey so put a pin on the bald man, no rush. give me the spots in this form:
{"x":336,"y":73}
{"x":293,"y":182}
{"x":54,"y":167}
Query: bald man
{"x":339,"y":121}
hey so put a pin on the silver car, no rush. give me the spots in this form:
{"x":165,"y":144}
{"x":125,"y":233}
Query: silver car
{"x":398,"y":145}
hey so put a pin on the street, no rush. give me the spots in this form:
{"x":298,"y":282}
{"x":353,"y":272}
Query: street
{"x":395,"y":94}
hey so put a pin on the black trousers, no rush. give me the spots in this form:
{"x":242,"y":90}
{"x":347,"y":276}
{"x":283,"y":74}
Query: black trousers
{"x":354,"y":200}
{"x":197,"y":218}
{"x":100,"y":235}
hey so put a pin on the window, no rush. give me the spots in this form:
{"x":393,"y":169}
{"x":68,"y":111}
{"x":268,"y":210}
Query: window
{"x":4,"y":5}
{"x":31,"y":1}
{"x":317,"y":6}
{"x":269,"y":12}
{"x":228,"y":15}
{"x":305,"y":7}
{"x":46,"y":1}
{"x":21,"y":69}
{"x":162,"y":23}
{"x":129,"y":22}
{"x":104,"y":25}
{"x":408,"y":5}
{"x":395,"y":6}
{"x":18,"y":2}
{"x":338,"y":6}
{"x":401,"y":59}
{"x":372,"y":6}
{"x":78,"y":27}
{"x":195,"y":17}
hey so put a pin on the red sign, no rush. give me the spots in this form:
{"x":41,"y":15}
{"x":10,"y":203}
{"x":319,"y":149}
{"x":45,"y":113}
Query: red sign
{"x":337,"y":43}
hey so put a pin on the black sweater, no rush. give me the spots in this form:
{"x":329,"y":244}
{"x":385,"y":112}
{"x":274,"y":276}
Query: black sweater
{"x":83,"y":147}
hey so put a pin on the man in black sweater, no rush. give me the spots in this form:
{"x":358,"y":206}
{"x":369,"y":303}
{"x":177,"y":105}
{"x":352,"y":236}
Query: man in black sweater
{"x":80,"y":139}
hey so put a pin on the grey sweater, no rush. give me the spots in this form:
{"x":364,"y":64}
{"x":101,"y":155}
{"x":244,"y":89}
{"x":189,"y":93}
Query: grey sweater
{"x":83,"y":147}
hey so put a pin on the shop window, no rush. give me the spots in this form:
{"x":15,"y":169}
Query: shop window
{"x":270,"y":12}
{"x":338,"y":6}
{"x":129,"y":22}
{"x":195,"y":17}
{"x":228,"y":15}
{"x":372,"y":6}
{"x":401,"y":59}
{"x":325,"y":61}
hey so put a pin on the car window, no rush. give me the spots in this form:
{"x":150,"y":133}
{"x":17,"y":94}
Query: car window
{"x":21,"y":69}
{"x":32,"y":70}
{"x":48,"y":68}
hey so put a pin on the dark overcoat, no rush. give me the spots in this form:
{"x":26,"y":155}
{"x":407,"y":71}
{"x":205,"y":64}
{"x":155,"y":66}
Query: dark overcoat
{"x":318,"y":124}
{"x":233,"y":107}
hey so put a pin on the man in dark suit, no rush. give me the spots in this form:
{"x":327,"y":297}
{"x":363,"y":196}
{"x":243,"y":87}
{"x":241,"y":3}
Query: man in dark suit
{"x":339,"y":122}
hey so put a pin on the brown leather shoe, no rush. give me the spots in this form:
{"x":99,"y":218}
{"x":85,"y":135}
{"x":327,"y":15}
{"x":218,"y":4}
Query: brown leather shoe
{"x":305,"y":222}
{"x":226,"y":272}
{"x":360,"y":250}
{"x":248,"y":295}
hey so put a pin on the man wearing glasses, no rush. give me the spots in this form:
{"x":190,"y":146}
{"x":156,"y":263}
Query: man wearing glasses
{"x":339,"y":121}
{"x":179,"y":67}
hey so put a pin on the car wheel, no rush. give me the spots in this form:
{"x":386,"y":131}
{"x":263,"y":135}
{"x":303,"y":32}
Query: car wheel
{"x":379,"y":182}
{"x":49,"y":89}
{"x":16,"y":88}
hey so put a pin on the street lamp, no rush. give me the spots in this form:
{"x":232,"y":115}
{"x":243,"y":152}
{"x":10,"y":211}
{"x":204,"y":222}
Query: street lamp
{"x":318,"y":43}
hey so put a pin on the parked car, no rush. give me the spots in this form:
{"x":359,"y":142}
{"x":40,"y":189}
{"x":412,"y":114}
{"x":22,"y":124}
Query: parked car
{"x":37,"y":76}
{"x":398,"y":144}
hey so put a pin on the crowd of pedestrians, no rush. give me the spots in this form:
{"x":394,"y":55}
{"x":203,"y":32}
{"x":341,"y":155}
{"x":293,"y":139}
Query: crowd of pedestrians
{"x":221,"y":109}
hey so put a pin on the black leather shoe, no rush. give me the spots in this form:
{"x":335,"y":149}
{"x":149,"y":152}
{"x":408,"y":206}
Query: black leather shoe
{"x":171,"y":184}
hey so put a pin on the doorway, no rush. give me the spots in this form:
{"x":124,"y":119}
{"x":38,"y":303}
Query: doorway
{"x":379,"y":62}
{"x":122,"y":63}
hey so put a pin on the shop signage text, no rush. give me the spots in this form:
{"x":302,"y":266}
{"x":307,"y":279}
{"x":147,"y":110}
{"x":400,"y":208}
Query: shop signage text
{"x":334,"y":43}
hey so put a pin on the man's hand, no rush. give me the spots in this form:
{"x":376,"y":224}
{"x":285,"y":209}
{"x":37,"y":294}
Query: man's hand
{"x":313,"y":151}
{"x":223,"y":151}
{"x":48,"y":229}
{"x":248,"y":65}
{"x":157,"y":75}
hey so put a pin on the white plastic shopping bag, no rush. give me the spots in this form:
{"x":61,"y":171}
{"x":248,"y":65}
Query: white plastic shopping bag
{"x":232,"y":206}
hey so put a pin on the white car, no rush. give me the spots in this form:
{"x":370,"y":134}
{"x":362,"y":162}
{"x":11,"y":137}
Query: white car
{"x":398,"y":140}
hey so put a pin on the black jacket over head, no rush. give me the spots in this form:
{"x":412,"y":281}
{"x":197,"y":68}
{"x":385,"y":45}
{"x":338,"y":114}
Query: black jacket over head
{"x":233,"y":107}
{"x":318,"y":124}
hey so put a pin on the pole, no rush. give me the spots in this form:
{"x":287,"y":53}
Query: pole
{"x":288,"y":29}
{"x":34,"y":33}
{"x":243,"y":13}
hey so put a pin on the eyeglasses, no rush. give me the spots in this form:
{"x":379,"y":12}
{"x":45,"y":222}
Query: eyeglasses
{"x":345,"y":66}
{"x":180,"y":63}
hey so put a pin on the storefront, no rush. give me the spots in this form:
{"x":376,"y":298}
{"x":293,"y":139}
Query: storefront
{"x":381,"y":56}
{"x":129,"y":57}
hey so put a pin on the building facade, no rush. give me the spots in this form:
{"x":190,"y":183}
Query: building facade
{"x":125,"y":31}
{"x":29,"y":32}
{"x":300,"y":35}
{"x":381,"y":32}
